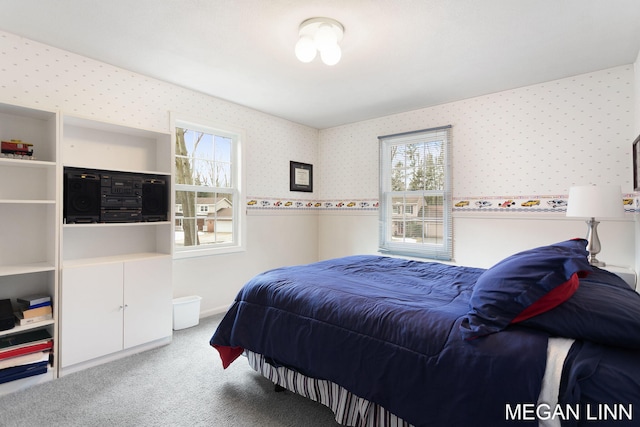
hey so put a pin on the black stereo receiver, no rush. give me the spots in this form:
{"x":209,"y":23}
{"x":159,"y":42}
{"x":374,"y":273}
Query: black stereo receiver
{"x":121,"y":197}
{"x":92,"y":195}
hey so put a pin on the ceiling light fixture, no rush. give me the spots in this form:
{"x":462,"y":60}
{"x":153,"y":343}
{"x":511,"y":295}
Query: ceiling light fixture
{"x":320,"y":35}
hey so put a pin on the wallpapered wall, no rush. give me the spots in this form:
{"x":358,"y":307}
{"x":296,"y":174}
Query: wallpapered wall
{"x":536,"y":140}
{"x":532,"y":141}
{"x":37,"y":75}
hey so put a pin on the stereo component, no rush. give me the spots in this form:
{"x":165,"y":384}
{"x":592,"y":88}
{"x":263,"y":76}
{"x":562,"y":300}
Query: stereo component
{"x":154,"y":199}
{"x":81,"y":196}
{"x":120,"y":215}
{"x":92,"y":195}
{"x":121,"y":197}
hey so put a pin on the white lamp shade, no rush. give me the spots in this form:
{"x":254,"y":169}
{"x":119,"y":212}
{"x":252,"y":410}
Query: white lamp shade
{"x":325,"y":37}
{"x":595,"y":201}
{"x":320,"y":35}
{"x":331,"y":55}
{"x":305,"y":49}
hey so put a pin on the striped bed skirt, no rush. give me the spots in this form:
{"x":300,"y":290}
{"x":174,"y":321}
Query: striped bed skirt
{"x":349,"y":409}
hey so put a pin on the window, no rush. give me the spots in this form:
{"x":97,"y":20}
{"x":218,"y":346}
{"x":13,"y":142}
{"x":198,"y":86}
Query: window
{"x":415,"y":194}
{"x":208,"y":199}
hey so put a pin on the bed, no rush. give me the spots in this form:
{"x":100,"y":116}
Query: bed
{"x":541,"y":338}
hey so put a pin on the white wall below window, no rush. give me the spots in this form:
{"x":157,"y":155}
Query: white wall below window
{"x":275,"y":240}
{"x":484,"y":241}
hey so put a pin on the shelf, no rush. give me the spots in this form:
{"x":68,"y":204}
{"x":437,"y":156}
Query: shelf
{"x":17,"y":385}
{"x":90,"y":123}
{"x":138,"y":171}
{"x":116,"y":224}
{"x":5,"y":161}
{"x":19,"y":329}
{"x":26,"y":201}
{"x":36,"y":267}
{"x":113,"y":258}
{"x":28,"y":112}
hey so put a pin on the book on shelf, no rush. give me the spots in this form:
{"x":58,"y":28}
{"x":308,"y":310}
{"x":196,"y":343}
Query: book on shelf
{"x":24,"y":371}
{"x":23,"y":349}
{"x":21,"y":321}
{"x":13,"y":345}
{"x":25,"y":359}
{"x":24,"y":338}
{"x":35,"y":300}
{"x":34,"y":312}
{"x":42,"y":304}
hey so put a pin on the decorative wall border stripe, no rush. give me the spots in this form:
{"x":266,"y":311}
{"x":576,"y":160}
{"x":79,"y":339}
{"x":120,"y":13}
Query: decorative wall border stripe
{"x":493,"y":204}
{"x":528,"y":204}
{"x":306,"y":204}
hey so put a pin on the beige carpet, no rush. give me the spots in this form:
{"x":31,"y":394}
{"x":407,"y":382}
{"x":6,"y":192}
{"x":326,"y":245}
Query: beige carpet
{"x":181,"y":384}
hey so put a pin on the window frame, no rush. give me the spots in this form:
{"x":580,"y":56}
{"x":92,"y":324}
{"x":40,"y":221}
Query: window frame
{"x":237,"y":137}
{"x":442,"y":251}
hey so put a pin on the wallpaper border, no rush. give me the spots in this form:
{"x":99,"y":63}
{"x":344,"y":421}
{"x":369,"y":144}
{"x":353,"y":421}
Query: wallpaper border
{"x":475,"y":204}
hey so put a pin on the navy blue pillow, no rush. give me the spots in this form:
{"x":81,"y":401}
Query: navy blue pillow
{"x":604,"y":310}
{"x":524,"y":285}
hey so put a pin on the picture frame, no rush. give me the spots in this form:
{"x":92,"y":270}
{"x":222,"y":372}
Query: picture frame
{"x":636,"y":164}
{"x":300,"y":177}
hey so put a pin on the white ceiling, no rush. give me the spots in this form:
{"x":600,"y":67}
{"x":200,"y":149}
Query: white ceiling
{"x":398,"y":55}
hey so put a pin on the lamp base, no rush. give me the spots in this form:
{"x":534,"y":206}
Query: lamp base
{"x":593,"y":242}
{"x":593,"y":261}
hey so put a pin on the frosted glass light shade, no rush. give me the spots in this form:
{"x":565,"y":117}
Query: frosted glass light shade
{"x":325,"y":37}
{"x":305,"y":49}
{"x":595,"y":201}
{"x":320,"y":35}
{"x":331,"y":55}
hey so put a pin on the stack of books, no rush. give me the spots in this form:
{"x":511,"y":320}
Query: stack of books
{"x":33,"y":309}
{"x":24,"y":355}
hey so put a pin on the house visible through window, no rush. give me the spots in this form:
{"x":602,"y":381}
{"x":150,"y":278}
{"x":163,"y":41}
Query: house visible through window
{"x":415,"y":193}
{"x":207,"y":197}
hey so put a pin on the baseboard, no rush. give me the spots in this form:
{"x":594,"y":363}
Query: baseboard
{"x":214,"y":311}
{"x":113,"y":356}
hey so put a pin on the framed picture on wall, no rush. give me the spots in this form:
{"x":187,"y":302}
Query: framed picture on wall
{"x":636,"y":164}
{"x":300,"y":177}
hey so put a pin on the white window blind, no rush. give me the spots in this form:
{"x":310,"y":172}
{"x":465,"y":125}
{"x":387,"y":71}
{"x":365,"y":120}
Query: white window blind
{"x":415,"y":193}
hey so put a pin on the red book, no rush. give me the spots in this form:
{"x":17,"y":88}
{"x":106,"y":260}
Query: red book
{"x":27,"y":349}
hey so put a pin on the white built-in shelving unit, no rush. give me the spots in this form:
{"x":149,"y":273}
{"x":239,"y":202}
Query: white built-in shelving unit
{"x":116,"y":287}
{"x":29,"y":197}
{"x":110,"y":284}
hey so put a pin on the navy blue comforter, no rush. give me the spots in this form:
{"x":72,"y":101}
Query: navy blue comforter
{"x":387,"y":330}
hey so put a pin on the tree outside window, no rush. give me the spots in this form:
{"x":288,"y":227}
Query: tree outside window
{"x":415,"y":193}
{"x":207,"y":178}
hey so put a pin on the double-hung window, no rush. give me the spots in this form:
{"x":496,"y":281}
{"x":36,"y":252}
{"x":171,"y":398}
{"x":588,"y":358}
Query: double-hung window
{"x":415,"y":193}
{"x":208,"y":195}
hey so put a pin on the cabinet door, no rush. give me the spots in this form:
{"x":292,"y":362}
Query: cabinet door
{"x":91,"y":312}
{"x":147,"y":294}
